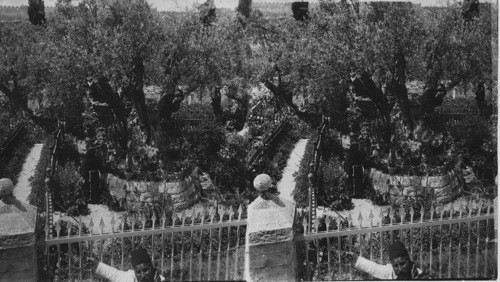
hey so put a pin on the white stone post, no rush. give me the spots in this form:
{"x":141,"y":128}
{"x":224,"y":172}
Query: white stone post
{"x":17,"y":237}
{"x":270,"y":250}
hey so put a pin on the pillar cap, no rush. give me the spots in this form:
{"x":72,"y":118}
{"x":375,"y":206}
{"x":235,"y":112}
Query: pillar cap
{"x":6,"y":187}
{"x":262,"y":182}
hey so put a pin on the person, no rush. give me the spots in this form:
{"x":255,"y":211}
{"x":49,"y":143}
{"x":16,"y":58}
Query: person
{"x":400,"y":268}
{"x":143,"y":269}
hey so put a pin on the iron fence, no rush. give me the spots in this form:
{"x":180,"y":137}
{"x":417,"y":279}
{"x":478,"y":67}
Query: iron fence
{"x":199,"y":244}
{"x":447,"y":242}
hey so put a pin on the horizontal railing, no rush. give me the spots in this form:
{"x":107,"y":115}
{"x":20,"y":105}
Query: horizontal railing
{"x":200,"y":244}
{"x":447,"y":242}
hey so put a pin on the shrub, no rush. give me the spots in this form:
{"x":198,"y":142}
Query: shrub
{"x":68,"y":193}
{"x":301,"y":179}
{"x":37,"y":180}
{"x":202,"y":143}
{"x":475,"y":144}
{"x":332,"y":185}
{"x":229,"y":167}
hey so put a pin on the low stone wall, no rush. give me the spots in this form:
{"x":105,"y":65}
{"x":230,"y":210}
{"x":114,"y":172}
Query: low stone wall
{"x":444,"y":188}
{"x":133,"y":194}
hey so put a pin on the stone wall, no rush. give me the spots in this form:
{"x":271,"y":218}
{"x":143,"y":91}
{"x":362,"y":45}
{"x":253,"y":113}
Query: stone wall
{"x":444,"y":188}
{"x":133,"y":194}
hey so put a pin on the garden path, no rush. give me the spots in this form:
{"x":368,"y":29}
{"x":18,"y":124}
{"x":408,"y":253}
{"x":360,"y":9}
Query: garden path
{"x":23,"y":187}
{"x":287,"y":183}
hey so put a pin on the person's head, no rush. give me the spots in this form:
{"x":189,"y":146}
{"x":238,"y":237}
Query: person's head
{"x":143,"y":267}
{"x":400,"y":260}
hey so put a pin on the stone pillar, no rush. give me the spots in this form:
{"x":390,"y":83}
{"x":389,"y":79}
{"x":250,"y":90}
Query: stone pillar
{"x":269,"y":250}
{"x":17,"y":237}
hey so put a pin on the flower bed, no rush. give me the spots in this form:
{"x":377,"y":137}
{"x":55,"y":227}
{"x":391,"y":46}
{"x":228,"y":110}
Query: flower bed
{"x":444,"y":188}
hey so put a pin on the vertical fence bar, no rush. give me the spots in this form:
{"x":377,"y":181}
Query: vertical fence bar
{"x":70,"y":253}
{"x":172,"y":251}
{"x":422,"y":213}
{"x":449,"y":242}
{"x":163,"y":220}
{"x":349,"y":243}
{"x":469,"y":205}
{"x":193,"y":216}
{"x":231,"y":214}
{"x":329,"y":267}
{"x":221,"y":215}
{"x":240,"y":211}
{"x":200,"y":255}
{"x":212,"y":215}
{"x":181,"y":267}
{"x":441,"y":211}
{"x":477,"y":240}
{"x":431,"y":237}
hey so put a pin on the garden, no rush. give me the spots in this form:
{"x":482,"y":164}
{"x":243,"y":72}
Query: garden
{"x":161,"y":112}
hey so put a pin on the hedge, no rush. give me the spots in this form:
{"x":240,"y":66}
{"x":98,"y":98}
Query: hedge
{"x":37,"y":180}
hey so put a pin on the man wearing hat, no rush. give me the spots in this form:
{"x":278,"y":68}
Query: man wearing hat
{"x":400,"y":268}
{"x":143,"y":270}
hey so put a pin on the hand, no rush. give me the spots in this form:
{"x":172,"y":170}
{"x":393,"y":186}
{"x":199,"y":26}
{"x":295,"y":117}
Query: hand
{"x":94,"y":262}
{"x":351,"y":256}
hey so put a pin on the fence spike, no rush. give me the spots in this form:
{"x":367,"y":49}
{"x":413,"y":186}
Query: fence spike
{"x":422,"y":212}
{"x":212,"y":213}
{"x":153,"y":218}
{"x":112,"y":222}
{"x":452,"y":210}
{"x":163,"y":219}
{"x":412,"y":213}
{"x":469,"y":207}
{"x":460,"y":209}
{"x":316,"y":224}
{"x":304,"y":224}
{"x":441,"y":212}
{"x":133,"y":220}
{"x":143,"y":220}
{"x":432,"y":211}
{"x":391,"y":214}
{"x":240,"y":212}
{"x":101,"y":225}
{"x":381,"y":215}
{"x":174,"y":218}
{"x":338,"y":222}
{"x":327,"y":222}
{"x":203,"y":214}
{"x":488,"y":205}
{"x":91,"y":226}
{"x":80,"y":225}
{"x":371,"y":216}
{"x":360,"y":219}
{"x":68,"y":227}
{"x":402,"y":214}
{"x":231,"y":213}
{"x":479,"y":207}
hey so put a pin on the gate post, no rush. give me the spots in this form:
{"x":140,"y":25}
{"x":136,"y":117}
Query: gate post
{"x":17,"y":237}
{"x":270,"y":250}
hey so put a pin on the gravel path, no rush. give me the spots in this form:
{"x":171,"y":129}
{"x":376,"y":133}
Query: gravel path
{"x":287,"y":183}
{"x":23,"y":187}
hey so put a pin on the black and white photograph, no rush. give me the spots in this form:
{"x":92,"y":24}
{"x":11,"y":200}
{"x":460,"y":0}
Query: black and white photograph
{"x":248,"y":140}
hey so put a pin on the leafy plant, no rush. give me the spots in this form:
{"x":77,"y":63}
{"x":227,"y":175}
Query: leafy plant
{"x":67,"y":187}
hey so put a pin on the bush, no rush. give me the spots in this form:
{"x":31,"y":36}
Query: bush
{"x":37,"y":180}
{"x":202,"y":143}
{"x":332,"y":188}
{"x":300,"y":193}
{"x":475,"y":144}
{"x":229,"y":168}
{"x":68,"y":194}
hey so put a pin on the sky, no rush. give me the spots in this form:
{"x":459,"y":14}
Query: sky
{"x":183,"y":5}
